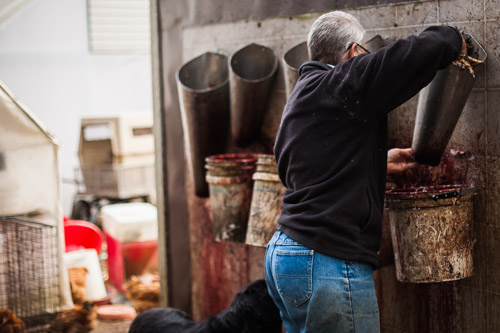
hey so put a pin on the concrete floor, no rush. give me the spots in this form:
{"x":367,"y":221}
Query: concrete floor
{"x":112,"y":326}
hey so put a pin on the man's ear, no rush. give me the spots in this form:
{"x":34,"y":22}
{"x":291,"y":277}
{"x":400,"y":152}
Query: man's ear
{"x":351,"y":52}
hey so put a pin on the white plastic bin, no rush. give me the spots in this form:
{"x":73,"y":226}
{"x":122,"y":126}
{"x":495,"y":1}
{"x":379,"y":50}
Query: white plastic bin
{"x":131,"y":231}
{"x":130,"y":222}
{"x":94,"y":284}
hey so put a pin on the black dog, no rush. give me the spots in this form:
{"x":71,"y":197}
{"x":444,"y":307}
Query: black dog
{"x":252,"y":311}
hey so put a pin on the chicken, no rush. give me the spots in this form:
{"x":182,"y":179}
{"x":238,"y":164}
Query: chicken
{"x":81,"y":319}
{"x":464,"y":63}
{"x":144,"y":291}
{"x":10,"y":323}
{"x":77,"y":279}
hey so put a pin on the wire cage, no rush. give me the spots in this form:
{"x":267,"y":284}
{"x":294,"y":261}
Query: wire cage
{"x":29,"y":271}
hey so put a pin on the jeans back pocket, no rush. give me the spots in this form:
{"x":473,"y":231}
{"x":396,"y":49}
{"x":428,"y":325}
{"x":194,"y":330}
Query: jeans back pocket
{"x":293,"y":274}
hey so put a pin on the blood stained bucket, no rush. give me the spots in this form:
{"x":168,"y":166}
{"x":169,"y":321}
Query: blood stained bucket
{"x":230,"y":184}
{"x":432,"y":232}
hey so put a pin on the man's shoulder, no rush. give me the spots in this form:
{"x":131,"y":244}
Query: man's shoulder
{"x":314,"y":65}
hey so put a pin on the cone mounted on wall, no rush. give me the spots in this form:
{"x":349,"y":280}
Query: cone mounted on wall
{"x":292,"y":60}
{"x":203,"y":88}
{"x":253,"y":70}
{"x":440,"y":105}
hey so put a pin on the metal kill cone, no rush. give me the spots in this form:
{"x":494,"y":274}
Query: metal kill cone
{"x":377,"y":42}
{"x":440,"y":105}
{"x":292,"y":60}
{"x":252,"y":72}
{"x":203,"y":88}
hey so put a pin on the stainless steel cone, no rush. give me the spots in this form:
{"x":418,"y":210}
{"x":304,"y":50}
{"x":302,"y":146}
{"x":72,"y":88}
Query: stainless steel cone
{"x":440,"y":105}
{"x":376,"y":43}
{"x":292,"y":60}
{"x":252,"y":69}
{"x":203,"y":88}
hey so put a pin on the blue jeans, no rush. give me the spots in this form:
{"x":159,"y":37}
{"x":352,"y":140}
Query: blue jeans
{"x":316,"y":293}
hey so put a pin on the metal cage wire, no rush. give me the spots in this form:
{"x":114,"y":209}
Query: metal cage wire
{"x":29,"y":270}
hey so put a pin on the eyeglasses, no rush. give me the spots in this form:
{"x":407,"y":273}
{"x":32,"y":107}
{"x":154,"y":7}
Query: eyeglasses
{"x":359,"y":45}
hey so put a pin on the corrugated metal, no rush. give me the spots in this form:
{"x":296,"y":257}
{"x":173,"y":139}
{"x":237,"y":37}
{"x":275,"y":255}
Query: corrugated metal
{"x":119,"y":26}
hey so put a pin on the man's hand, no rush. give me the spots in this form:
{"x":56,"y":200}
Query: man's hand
{"x":399,"y":160}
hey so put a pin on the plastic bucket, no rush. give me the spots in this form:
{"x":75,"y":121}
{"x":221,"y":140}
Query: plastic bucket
{"x":292,"y":60}
{"x":203,"y":86}
{"x":230,"y":183}
{"x":79,"y":234}
{"x":94,"y":284}
{"x":432,"y":238}
{"x":252,"y":72}
{"x":266,"y":202}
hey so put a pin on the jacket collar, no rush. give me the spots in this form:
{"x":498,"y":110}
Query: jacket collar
{"x":314,"y":64}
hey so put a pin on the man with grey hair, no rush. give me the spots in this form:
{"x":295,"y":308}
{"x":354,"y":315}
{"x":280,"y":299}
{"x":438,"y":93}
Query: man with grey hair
{"x":331,"y":35}
{"x":332,"y":156}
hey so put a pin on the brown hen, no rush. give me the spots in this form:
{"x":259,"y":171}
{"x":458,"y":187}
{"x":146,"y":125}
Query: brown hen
{"x":81,"y":319}
{"x":10,"y":323}
{"x":144,"y":291}
{"x":77,"y":279}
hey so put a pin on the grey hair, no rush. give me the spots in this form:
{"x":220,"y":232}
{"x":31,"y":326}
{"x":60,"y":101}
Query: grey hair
{"x":331,"y":34}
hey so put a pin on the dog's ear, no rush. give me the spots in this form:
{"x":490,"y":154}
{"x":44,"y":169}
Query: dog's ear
{"x":253,"y":300}
{"x":253,"y":290}
{"x":257,"y":286}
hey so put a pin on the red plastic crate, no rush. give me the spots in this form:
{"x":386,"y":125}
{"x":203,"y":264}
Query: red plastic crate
{"x":127,"y":259}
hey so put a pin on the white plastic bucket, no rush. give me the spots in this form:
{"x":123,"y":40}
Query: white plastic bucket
{"x":94,"y":284}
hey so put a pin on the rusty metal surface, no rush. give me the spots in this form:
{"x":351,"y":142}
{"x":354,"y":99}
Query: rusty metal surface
{"x":292,"y":60}
{"x":432,"y":239}
{"x":203,"y":86}
{"x":252,"y":73}
{"x":417,"y":308}
{"x":218,"y":269}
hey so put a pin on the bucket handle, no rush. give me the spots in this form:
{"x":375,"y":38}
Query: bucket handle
{"x":476,"y":43}
{"x":453,"y":194}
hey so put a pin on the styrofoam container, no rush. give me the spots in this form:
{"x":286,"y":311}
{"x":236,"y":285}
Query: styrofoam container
{"x":130,"y":222}
{"x":94,"y":284}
